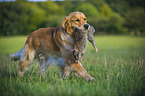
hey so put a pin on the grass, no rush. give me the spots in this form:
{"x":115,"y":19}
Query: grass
{"x":118,"y":68}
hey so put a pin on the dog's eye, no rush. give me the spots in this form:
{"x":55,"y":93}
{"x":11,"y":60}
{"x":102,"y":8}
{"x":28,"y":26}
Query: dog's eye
{"x":85,"y":19}
{"x":77,"y":20}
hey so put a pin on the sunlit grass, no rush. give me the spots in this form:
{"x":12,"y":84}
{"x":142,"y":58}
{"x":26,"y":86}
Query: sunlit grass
{"x":118,"y":69}
{"x":11,"y":44}
{"x":119,"y":42}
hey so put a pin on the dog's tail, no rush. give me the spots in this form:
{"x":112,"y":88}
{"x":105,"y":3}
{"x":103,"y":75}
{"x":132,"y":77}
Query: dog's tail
{"x":17,"y":56}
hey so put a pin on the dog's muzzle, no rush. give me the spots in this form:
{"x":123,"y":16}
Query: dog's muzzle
{"x":86,"y":26}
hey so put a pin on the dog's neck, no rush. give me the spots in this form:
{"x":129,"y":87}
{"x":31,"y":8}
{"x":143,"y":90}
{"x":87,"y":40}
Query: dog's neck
{"x":65,"y":36}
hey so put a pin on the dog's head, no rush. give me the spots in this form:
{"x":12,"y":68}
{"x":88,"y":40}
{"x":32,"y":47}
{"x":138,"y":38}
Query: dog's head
{"x":75,"y":20}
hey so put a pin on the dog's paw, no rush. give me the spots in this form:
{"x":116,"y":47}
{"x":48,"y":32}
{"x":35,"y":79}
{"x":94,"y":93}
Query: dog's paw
{"x":89,"y":78}
{"x":20,"y":74}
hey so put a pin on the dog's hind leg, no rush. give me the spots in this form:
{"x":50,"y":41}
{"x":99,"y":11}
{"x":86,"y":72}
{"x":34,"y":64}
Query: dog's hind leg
{"x":41,"y":61}
{"x":17,"y":56}
{"x":45,"y":62}
{"x":62,"y":70}
{"x":65,"y":71}
{"x":26,"y":59}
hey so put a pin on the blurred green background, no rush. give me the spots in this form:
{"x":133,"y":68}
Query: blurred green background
{"x":21,"y":17}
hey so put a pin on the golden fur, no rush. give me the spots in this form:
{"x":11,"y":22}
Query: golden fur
{"x":54,"y":42}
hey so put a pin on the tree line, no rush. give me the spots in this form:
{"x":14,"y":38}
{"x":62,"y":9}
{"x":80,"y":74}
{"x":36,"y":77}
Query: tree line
{"x":107,"y":16}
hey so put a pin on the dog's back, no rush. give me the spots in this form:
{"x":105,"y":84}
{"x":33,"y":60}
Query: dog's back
{"x":36,"y":40}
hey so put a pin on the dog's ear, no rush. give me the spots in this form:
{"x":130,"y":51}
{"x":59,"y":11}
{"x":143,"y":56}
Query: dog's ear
{"x":65,"y":22}
{"x":67,"y":25}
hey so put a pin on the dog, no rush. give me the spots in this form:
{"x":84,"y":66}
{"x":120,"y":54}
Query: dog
{"x":80,"y":43}
{"x":54,"y":42}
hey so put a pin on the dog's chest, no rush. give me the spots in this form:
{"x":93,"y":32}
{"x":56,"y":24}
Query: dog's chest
{"x":54,"y":60}
{"x":68,"y":40}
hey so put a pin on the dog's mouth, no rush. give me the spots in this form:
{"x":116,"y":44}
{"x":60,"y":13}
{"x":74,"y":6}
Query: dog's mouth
{"x":85,"y":27}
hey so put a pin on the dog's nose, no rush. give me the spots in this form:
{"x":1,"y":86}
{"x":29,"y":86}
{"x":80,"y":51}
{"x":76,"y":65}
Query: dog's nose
{"x":86,"y":26}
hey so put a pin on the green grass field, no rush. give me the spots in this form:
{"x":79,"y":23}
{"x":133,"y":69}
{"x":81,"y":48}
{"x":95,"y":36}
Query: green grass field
{"x":118,"y":69}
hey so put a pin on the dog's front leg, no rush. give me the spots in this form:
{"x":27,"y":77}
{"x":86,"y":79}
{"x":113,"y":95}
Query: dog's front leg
{"x":65,"y":71}
{"x":77,"y":66}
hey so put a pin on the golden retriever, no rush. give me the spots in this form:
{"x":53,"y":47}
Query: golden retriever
{"x":54,"y":42}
